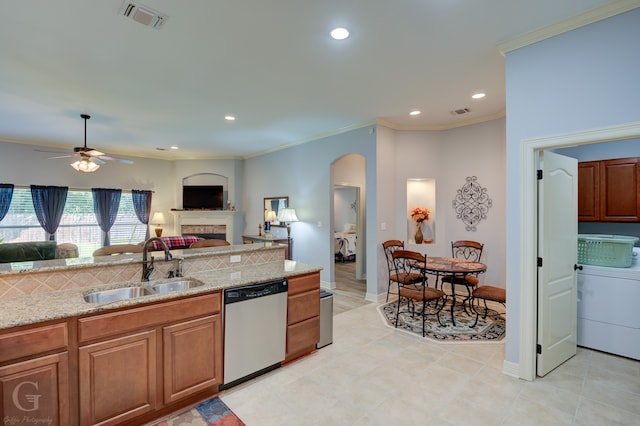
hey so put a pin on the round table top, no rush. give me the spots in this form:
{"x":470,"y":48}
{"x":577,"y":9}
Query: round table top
{"x":453,"y":265}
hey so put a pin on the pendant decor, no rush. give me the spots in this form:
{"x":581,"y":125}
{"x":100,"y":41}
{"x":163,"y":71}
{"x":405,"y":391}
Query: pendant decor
{"x":472,"y":203}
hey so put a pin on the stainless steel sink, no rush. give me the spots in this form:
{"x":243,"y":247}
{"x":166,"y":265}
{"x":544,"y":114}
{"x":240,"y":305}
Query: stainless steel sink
{"x":116,"y":294}
{"x":175,"y":286}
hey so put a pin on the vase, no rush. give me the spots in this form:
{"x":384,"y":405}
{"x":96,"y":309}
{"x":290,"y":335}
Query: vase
{"x":418,"y":235}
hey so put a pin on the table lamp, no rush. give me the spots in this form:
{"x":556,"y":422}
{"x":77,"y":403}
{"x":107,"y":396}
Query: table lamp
{"x":287,"y":216}
{"x":158,"y":220}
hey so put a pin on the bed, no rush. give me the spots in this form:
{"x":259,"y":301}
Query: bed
{"x":345,"y":243}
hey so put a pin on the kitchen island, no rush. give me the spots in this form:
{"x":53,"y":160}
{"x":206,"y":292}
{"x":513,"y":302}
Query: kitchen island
{"x":131,"y":360}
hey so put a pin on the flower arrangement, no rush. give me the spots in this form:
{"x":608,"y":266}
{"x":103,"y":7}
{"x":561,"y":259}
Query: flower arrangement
{"x":420,"y":214}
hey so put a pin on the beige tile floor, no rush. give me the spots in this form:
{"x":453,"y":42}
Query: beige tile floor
{"x":376,"y":375}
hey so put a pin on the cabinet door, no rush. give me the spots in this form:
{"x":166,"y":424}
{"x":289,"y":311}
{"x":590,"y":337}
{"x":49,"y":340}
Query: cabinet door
{"x":589,"y":191}
{"x":619,"y":190}
{"x":36,"y":391}
{"x":192,"y":357}
{"x":117,"y":379}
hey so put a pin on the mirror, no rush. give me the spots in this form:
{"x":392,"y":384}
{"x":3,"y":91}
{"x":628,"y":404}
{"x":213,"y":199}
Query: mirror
{"x":272,"y":207}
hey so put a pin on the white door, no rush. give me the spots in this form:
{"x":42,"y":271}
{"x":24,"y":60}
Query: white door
{"x":558,"y":249}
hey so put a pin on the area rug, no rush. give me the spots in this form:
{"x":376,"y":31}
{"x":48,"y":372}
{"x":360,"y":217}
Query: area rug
{"x":213,"y":412}
{"x":488,"y":330}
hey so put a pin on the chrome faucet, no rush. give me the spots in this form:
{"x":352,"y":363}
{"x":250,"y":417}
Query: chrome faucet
{"x":147,"y":265}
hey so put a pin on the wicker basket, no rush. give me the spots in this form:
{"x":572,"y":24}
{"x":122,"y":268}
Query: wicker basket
{"x":606,"y":250}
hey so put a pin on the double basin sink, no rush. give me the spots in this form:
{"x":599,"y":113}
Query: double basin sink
{"x":132,"y":292}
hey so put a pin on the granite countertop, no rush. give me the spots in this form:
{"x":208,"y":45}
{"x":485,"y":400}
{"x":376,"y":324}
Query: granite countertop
{"x":38,"y":308}
{"x":121,"y":259}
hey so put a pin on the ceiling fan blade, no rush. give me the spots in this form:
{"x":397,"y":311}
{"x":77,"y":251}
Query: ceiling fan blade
{"x":61,"y":156}
{"x":120,"y":160}
{"x":96,"y":160}
{"x":55,"y":151}
{"x":93,"y":153}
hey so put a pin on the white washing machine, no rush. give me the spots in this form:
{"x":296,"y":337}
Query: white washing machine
{"x":608,"y":301}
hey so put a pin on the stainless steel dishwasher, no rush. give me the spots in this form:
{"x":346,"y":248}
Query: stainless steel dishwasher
{"x":255,"y":330}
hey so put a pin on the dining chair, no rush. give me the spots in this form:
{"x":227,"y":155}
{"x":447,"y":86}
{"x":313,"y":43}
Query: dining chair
{"x":417,"y":292}
{"x":467,"y":250}
{"x":389,"y":247}
{"x":210,"y":243}
{"x":118,"y":249}
{"x":484,"y":293}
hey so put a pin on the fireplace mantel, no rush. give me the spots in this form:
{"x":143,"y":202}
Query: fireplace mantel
{"x":205,"y":218}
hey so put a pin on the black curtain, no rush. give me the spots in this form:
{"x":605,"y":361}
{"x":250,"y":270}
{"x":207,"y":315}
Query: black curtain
{"x":142,"y":206}
{"x":48,"y":202}
{"x":6,"y":194}
{"x":105,"y":206}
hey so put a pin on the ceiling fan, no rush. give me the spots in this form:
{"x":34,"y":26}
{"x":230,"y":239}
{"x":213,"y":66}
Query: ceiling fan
{"x":90,"y":159}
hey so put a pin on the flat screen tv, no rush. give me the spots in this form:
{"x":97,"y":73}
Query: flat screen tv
{"x":202,"y":197}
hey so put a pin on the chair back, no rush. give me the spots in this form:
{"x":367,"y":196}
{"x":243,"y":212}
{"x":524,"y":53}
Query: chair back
{"x":389,"y":247}
{"x":466,"y":249}
{"x":118,"y":249}
{"x":210,"y":243}
{"x":406,"y":262}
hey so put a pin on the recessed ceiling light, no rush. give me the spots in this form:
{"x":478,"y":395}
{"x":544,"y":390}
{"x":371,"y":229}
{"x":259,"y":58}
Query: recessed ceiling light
{"x":174,"y":147}
{"x":478,"y":95}
{"x":229,"y":117}
{"x":339,"y":33}
{"x":415,"y":112}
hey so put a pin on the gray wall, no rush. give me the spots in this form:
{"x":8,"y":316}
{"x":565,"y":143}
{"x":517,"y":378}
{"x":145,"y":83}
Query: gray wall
{"x":583,"y":79}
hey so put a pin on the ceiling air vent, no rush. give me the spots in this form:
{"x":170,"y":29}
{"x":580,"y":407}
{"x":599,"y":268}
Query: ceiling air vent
{"x":142,"y":14}
{"x":460,"y":111}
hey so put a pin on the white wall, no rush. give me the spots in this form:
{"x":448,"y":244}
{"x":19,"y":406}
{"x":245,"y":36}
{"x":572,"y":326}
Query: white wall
{"x":584,"y":79}
{"x":450,"y":157}
{"x":21,"y":165}
{"x":343,"y":198}
{"x":303,"y":173}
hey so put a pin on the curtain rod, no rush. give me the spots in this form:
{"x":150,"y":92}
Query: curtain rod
{"x":82,"y":189}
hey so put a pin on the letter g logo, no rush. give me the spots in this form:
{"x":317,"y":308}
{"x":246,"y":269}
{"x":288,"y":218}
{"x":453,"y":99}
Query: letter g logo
{"x":33,"y":399}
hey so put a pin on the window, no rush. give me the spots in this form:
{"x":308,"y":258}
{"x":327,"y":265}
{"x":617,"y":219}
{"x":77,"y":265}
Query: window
{"x":78,"y":224}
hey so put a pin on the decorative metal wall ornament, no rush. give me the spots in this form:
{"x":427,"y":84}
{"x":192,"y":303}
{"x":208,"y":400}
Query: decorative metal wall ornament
{"x":472,"y":203}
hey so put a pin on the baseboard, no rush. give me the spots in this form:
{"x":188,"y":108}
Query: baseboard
{"x":327,"y":285}
{"x":511,"y":369}
{"x":375,"y":297}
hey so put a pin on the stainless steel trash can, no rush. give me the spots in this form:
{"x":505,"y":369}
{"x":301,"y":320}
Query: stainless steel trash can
{"x":326,"y":318}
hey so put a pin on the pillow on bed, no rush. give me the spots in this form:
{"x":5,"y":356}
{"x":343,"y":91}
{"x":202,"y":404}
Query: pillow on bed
{"x":349,"y":228}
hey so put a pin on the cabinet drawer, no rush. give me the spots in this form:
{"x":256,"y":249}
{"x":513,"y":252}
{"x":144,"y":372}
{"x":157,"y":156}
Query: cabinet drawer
{"x":303,"y":336}
{"x":303,"y":306}
{"x":110,"y":324}
{"x":304,"y":283}
{"x":33,"y":341}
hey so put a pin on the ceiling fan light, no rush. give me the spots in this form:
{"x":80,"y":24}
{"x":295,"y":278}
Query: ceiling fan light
{"x":85,"y":166}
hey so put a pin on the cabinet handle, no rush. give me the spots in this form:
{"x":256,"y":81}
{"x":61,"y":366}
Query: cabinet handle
{"x":576,"y":267}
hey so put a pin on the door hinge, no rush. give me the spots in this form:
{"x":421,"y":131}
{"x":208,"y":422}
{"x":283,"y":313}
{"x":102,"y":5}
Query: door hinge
{"x":539,"y":174}
{"x":538,"y":349}
{"x":539,"y":262}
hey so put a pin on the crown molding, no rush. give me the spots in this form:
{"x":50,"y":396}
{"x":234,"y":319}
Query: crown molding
{"x":440,"y":127}
{"x":589,"y":17}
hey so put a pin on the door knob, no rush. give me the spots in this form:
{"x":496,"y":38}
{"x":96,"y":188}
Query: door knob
{"x":576,"y":267}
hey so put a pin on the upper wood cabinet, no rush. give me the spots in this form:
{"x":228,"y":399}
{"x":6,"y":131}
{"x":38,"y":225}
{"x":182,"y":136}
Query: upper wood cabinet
{"x":609,"y":190}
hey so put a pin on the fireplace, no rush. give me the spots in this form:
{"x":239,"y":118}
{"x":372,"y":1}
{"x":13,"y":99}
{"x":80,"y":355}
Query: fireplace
{"x":210,"y":224}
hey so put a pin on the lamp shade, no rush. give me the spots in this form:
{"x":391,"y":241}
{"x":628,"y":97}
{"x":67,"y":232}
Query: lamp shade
{"x":270,"y":216}
{"x":85,"y":165}
{"x":158,"y":219}
{"x":287,"y":215}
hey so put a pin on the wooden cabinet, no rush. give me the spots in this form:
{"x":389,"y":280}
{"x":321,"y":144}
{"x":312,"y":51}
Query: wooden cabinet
{"x":303,"y":315}
{"x":192,"y":356}
{"x":589,"y":191}
{"x":117,"y":379}
{"x":34,"y":386}
{"x":609,"y":190}
{"x":136,"y":361}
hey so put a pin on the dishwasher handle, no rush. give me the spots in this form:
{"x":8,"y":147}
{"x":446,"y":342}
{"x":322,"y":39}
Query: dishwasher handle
{"x":239,"y":294}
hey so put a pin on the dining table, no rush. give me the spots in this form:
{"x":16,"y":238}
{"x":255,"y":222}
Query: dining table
{"x":456,"y":268}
